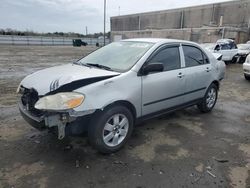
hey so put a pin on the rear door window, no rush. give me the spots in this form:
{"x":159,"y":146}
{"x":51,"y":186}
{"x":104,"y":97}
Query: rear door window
{"x":193,"y":56}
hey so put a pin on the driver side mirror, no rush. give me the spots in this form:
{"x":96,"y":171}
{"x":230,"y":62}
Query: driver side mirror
{"x":153,"y":67}
{"x":219,"y":58}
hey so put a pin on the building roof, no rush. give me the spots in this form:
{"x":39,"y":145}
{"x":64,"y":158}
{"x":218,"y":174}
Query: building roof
{"x":158,"y":40}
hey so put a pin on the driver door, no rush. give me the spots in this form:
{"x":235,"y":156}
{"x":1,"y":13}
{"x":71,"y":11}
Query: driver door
{"x":162,"y":90}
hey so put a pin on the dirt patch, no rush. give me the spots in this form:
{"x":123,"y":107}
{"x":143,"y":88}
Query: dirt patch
{"x":240,"y":174}
{"x":199,"y":168}
{"x":14,"y":175}
{"x":247,"y":119}
{"x":233,"y":90}
{"x":245,"y":148}
{"x":194,"y":124}
{"x":42,"y":182}
{"x":12,"y":132}
{"x":181,"y":153}
{"x":147,"y":151}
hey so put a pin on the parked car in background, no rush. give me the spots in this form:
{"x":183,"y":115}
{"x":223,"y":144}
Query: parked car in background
{"x":79,"y":43}
{"x":228,"y":49}
{"x":243,"y":51}
{"x":108,"y":91}
{"x":246,"y":68}
{"x":248,"y":42}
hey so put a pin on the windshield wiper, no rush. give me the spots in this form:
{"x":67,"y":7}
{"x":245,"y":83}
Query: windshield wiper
{"x":79,"y":63}
{"x":99,"y":66}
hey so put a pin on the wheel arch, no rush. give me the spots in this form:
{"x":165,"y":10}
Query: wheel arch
{"x":217,"y":83}
{"x":125,"y":103}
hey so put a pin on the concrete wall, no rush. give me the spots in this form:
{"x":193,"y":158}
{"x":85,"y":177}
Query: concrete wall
{"x":200,"y":24}
{"x":200,"y":35}
{"x":235,"y":13}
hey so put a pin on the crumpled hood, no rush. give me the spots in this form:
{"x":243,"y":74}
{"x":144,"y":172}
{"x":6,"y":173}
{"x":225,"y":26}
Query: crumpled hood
{"x":50,"y":79}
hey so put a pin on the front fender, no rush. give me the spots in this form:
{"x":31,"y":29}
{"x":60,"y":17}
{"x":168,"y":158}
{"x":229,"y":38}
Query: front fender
{"x":125,"y":87}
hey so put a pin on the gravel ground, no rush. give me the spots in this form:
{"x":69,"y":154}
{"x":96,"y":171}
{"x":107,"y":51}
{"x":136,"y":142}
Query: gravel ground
{"x":182,"y":149}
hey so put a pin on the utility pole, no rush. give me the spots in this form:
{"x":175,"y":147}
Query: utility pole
{"x":86,"y":30}
{"x":104,"y":40}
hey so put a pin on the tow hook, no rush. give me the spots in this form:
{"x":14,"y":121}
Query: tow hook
{"x":59,"y":120}
{"x":61,"y":130}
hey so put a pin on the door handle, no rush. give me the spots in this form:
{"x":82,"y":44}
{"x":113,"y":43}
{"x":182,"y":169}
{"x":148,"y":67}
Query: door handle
{"x":180,"y":75}
{"x":208,"y":69}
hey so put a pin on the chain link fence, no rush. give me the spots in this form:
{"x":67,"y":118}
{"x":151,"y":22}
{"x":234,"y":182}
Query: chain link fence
{"x":46,"y":41}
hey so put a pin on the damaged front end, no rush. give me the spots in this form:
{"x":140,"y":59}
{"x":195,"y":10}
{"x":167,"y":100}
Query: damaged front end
{"x":48,"y":112}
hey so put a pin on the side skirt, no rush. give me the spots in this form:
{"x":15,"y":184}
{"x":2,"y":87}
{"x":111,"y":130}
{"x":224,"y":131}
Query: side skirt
{"x":166,"y":111}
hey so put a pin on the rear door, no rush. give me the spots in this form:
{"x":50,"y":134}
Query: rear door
{"x":197,"y":72}
{"x":228,"y":51}
{"x":162,"y":90}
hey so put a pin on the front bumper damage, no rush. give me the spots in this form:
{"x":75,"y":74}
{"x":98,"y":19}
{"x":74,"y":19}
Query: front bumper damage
{"x":71,"y":122}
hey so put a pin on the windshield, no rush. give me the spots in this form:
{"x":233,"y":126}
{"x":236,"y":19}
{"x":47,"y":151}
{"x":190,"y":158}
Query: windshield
{"x":117,"y":56}
{"x":243,"y":46}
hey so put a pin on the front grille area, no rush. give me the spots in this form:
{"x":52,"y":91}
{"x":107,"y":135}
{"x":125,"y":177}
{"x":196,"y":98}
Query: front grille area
{"x":29,"y":98}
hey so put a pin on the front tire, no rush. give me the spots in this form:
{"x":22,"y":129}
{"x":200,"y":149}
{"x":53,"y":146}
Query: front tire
{"x":110,"y":129}
{"x":209,"y":100}
{"x":247,"y":77}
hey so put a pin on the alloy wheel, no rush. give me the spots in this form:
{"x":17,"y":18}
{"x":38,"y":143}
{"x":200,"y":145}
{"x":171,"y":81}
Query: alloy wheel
{"x":115,"y":130}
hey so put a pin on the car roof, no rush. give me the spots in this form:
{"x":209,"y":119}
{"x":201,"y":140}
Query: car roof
{"x":158,"y":40}
{"x":226,"y":41}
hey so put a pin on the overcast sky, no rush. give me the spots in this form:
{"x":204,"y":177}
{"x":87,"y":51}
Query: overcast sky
{"x":75,"y":15}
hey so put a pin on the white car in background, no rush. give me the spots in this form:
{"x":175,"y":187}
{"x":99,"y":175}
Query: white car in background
{"x":246,"y":68}
{"x":228,"y":49}
{"x":243,"y":51}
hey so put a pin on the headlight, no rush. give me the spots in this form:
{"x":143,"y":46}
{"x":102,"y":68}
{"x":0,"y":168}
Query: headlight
{"x":60,"y":101}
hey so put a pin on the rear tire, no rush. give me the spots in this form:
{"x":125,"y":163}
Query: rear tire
{"x":247,"y":77}
{"x":110,"y":129}
{"x":234,"y":60}
{"x":209,"y":100}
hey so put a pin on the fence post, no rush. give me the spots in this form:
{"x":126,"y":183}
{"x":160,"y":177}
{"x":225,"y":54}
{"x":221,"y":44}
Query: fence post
{"x":28,"y":41}
{"x":12,"y":37}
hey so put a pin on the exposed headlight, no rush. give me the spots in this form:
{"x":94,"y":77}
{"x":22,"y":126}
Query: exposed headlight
{"x":60,"y":101}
